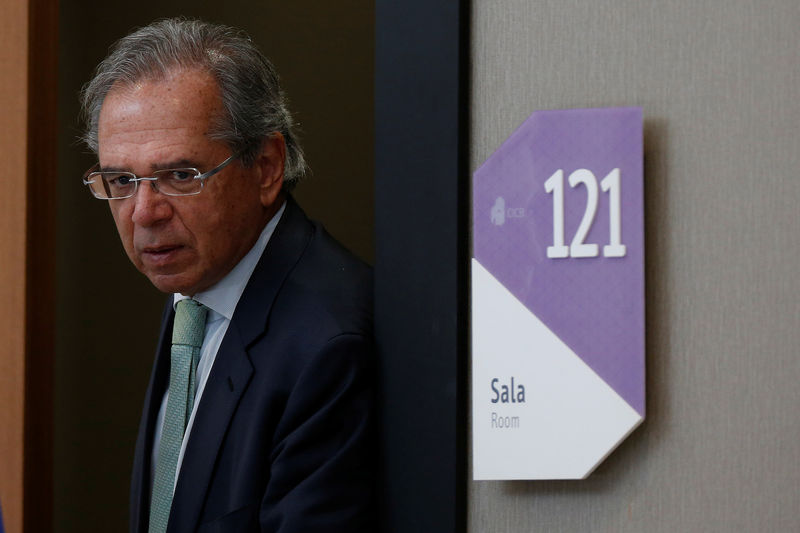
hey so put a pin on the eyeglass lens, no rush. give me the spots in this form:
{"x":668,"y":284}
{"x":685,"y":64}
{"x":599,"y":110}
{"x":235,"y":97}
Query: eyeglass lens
{"x":175,"y":182}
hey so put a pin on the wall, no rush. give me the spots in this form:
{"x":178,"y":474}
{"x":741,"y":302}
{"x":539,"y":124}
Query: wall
{"x":107,"y":312}
{"x":27,"y":261}
{"x":13,"y":229}
{"x":718,"y":81}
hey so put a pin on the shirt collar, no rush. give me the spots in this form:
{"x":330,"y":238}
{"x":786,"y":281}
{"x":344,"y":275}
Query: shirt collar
{"x":222,"y":297}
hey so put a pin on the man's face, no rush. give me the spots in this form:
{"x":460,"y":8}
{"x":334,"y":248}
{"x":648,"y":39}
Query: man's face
{"x":187,"y":243}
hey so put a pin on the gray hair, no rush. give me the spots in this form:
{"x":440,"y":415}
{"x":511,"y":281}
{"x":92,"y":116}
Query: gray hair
{"x":254,"y":102}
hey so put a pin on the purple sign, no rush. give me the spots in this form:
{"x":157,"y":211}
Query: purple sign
{"x":558,"y":223}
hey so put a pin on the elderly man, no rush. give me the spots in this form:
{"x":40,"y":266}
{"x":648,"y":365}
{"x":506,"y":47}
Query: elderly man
{"x":257,"y":415}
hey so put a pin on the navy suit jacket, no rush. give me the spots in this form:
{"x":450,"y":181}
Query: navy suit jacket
{"x":282,"y":440}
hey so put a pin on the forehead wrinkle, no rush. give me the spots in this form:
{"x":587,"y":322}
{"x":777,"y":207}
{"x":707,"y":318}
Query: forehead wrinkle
{"x":130,"y":118}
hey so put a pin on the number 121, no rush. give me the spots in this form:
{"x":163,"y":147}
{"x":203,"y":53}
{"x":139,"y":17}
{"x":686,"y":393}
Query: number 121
{"x":610,"y":184}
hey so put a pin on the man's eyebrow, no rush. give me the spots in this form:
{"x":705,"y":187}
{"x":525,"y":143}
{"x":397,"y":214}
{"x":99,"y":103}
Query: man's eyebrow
{"x":178,"y":163}
{"x":101,"y":168}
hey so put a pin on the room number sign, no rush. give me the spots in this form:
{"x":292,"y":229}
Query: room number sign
{"x":558,"y":295}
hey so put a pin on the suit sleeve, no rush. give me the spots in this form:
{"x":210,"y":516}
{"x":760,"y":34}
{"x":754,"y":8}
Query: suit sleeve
{"x":323,"y":463}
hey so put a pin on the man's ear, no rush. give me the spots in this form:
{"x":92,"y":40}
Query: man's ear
{"x":271,"y":163}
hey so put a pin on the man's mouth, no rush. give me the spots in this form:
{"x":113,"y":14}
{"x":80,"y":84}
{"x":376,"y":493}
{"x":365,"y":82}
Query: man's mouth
{"x":160,"y":254}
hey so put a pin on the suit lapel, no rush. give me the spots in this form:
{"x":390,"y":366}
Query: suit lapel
{"x":227,"y":382}
{"x":232,"y":368}
{"x":283,"y":251}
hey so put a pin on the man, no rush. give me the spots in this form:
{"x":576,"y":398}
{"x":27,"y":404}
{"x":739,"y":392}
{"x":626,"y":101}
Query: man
{"x":257,"y":415}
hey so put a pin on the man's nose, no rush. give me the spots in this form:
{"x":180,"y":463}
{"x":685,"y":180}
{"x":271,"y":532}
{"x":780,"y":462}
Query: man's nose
{"x":150,"y":207}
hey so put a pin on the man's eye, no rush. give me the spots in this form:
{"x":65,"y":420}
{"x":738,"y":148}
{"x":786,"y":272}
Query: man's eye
{"x":180,"y":175}
{"x":118,"y":180}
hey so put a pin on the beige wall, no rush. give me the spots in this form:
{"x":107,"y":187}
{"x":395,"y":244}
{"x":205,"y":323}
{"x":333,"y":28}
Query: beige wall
{"x":27,"y":227}
{"x":108,"y":314}
{"x":718,"y":81}
{"x":14,"y":99}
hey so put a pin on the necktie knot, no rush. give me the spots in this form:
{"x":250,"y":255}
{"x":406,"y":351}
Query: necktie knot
{"x":190,"y":323}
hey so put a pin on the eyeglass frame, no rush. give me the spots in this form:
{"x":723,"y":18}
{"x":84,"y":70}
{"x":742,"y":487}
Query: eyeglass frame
{"x":136,"y":179}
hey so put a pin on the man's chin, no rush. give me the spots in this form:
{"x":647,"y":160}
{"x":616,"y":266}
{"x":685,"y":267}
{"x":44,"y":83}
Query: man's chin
{"x":172,"y":283}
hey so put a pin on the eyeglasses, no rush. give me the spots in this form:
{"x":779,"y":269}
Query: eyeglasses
{"x":115,"y":185}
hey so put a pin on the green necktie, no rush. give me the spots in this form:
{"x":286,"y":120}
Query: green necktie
{"x":187,"y":338}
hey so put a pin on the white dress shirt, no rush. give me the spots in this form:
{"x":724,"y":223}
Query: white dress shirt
{"x":221,"y":300}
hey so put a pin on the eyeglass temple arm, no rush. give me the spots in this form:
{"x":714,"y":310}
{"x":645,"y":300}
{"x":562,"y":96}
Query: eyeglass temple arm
{"x":213,"y":171}
{"x":89,"y":183}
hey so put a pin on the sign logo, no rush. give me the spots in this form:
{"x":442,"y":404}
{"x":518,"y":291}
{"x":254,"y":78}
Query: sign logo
{"x":498,"y":215}
{"x":500,"y":212}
